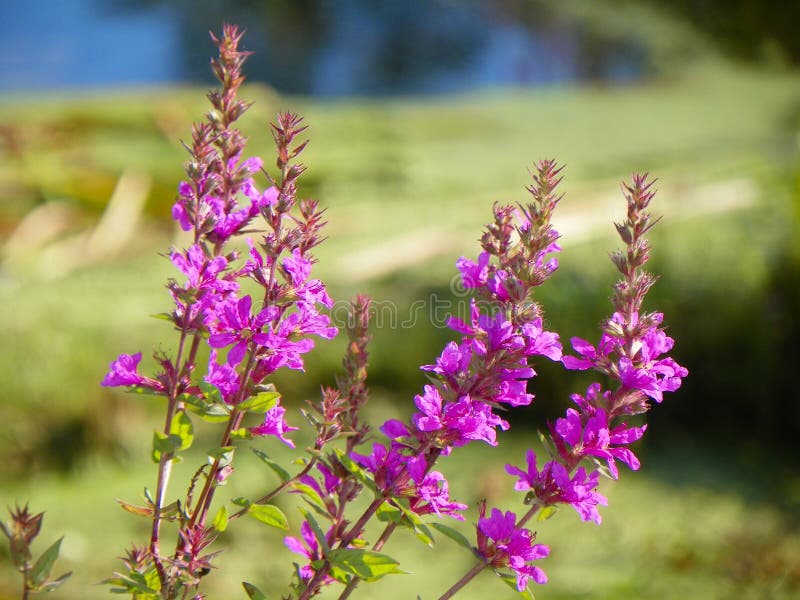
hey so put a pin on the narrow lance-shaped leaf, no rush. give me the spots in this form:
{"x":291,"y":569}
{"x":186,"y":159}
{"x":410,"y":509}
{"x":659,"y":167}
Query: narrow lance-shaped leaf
{"x":282,"y":473}
{"x":253,"y":592}
{"x":511,"y":581}
{"x":223,"y":454}
{"x":309,"y":493}
{"x":139,"y":511}
{"x":41,"y":570}
{"x":318,"y":533}
{"x":453,"y":534}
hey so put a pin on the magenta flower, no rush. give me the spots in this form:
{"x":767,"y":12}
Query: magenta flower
{"x":395,"y":429}
{"x":597,"y":440}
{"x":308,"y":547}
{"x":297,"y":267}
{"x":553,"y":485}
{"x":388,"y":467}
{"x":201,"y":270}
{"x":124,"y":372}
{"x":236,"y":325}
{"x":275,"y":424}
{"x":452,"y":362}
{"x":541,"y":342}
{"x":224,"y":377}
{"x":502,"y":544}
{"x":474,"y":275}
{"x":588,"y":355}
{"x":456,"y":423}
{"x":330,"y":482}
{"x":307,"y":321}
{"x":433,"y":495}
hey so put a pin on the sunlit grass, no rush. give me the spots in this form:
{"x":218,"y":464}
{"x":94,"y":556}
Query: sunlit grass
{"x":408,"y":185}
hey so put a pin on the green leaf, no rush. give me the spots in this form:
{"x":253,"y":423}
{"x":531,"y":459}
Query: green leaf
{"x":365,"y":564}
{"x":211,"y":408}
{"x":211,"y":392}
{"x":41,"y":570}
{"x":49,"y":586}
{"x":268,"y":514}
{"x":243,"y":433}
{"x":182,"y":427}
{"x":309,"y":493}
{"x":139,"y":511}
{"x":253,"y":592}
{"x":164,"y":317}
{"x":511,"y":581}
{"x":143,"y":391}
{"x":164,"y":444}
{"x":242,"y":501}
{"x":260,"y":403}
{"x":282,"y":473}
{"x":223,"y":454}
{"x":360,"y":474}
{"x":546,"y":512}
{"x":454,"y":535}
{"x":399,"y":513}
{"x":135,"y":583}
{"x":220,"y":522}
{"x":389,"y":513}
{"x":322,"y":541}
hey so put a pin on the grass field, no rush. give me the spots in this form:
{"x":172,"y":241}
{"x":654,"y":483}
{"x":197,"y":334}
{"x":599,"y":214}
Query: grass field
{"x":408,"y":184}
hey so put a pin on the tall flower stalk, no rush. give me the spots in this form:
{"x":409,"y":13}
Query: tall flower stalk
{"x":249,"y":338}
{"x":589,"y":440}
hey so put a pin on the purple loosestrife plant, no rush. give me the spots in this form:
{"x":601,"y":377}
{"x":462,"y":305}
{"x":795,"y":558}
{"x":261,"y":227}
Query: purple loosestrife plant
{"x":249,"y":336}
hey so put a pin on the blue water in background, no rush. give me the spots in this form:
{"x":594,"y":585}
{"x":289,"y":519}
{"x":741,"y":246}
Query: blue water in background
{"x":322,"y":48}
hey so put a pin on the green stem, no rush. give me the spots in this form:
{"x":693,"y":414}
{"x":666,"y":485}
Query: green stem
{"x":165,"y":468}
{"x":234,"y":421}
{"x":469,"y":576}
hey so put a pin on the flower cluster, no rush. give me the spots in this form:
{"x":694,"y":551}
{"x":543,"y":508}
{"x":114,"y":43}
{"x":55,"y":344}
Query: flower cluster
{"x":502,"y":544}
{"x":631,"y":354}
{"x":485,"y":371}
{"x":249,"y":336}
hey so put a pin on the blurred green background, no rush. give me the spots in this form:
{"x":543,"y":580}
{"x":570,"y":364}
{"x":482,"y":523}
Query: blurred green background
{"x":436,"y":114}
